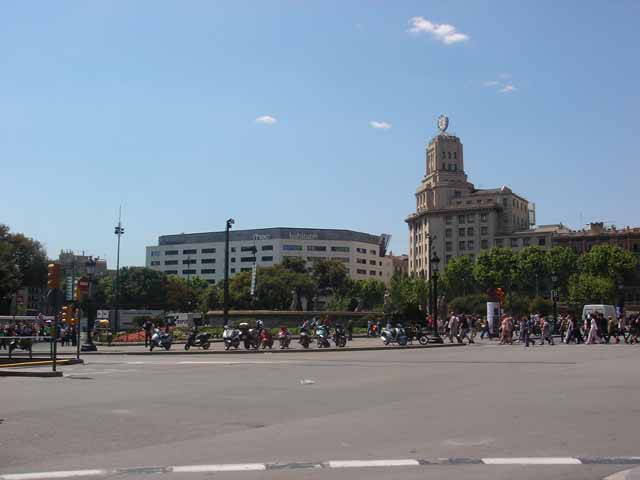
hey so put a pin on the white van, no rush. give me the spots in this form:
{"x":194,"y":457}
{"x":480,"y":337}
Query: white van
{"x":606,"y":310}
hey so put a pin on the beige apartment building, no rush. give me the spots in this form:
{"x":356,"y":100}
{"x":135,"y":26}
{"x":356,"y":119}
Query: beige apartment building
{"x":453,"y":218}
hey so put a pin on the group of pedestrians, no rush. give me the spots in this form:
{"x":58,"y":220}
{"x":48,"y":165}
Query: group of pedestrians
{"x":460,"y":327}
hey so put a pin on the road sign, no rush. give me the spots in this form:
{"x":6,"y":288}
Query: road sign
{"x":83,"y":284}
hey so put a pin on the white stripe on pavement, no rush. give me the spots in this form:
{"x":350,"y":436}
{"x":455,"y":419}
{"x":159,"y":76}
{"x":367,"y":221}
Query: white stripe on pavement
{"x":238,"y":467}
{"x":532,"y":461}
{"x":59,"y":474}
{"x":406,"y":462}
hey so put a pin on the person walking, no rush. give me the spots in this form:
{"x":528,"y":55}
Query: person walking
{"x":454,"y":323}
{"x":350,"y":329}
{"x":473,"y":325}
{"x":545,"y":332}
{"x":464,"y":329}
{"x":148,"y":330}
{"x":527,"y":327}
{"x":612,"y":329}
{"x":593,"y":330}
{"x":485,"y":330}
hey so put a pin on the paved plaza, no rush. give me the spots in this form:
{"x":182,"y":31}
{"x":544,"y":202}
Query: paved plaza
{"x":401,"y":414}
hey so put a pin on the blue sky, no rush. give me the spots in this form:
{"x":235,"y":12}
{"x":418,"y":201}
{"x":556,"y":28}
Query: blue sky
{"x":153,"y":105}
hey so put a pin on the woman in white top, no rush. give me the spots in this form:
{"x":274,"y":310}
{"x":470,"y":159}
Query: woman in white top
{"x":593,"y":331}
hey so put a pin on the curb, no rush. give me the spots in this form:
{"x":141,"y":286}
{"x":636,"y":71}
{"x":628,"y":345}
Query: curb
{"x":22,"y":373}
{"x":277,"y":350}
{"x":40,"y":363}
{"x":327,"y":465}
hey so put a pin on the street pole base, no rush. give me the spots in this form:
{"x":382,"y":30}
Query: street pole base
{"x":88,"y":347}
{"x":437,"y":339}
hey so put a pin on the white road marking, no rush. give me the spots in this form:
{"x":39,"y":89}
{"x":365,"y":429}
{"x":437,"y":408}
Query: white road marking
{"x":46,"y":475}
{"x":532,"y":461}
{"x":406,"y":462}
{"x":239,"y":467}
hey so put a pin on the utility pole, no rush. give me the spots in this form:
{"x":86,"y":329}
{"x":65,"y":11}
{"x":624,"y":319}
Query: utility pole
{"x":119,"y":231}
{"x":225,"y":317}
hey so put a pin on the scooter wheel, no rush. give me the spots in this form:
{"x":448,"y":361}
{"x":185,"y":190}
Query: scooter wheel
{"x":226,"y":347}
{"x":206,"y":345}
{"x":151,"y":348}
{"x":386,"y":342}
{"x":423,"y":340}
{"x":167,"y":347}
{"x":187,"y":346}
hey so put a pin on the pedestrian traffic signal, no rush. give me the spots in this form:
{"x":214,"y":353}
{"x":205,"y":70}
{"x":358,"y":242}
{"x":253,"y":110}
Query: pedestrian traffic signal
{"x":53,"y":276}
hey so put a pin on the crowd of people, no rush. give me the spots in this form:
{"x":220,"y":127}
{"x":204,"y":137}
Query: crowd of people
{"x":41,"y":331}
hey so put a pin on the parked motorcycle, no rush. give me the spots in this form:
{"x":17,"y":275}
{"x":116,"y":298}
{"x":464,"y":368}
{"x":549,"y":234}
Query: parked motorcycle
{"x":340,"y":336}
{"x":249,"y":336}
{"x":266,"y":339}
{"x":161,"y":340}
{"x":230,"y":337}
{"x":284,"y":337}
{"x":322,"y":336}
{"x":421,"y":333}
{"x":395,"y":334}
{"x":305,"y":339}
{"x":20,"y":344}
{"x":196,"y":339}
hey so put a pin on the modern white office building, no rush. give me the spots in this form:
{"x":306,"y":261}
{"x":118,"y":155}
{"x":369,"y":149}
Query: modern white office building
{"x":202,"y":254}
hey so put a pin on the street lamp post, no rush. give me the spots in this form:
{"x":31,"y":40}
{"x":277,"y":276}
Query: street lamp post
{"x":430,"y":290}
{"x":554,"y":294}
{"x":119,"y":231}
{"x":434,"y":262}
{"x":230,"y":222}
{"x":89,"y":346}
{"x":621,"y":298}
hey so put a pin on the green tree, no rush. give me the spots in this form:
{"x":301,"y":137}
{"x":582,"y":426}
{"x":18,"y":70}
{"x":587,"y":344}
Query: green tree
{"x":295,"y":264}
{"x":240,"y":291}
{"x":457,"y":279}
{"x":496,"y":267}
{"x":532,"y":269}
{"x":408,"y":295}
{"x":181,"y":296}
{"x":608,"y":261}
{"x":209,"y":298}
{"x":563,"y":262}
{"x":330,"y":275}
{"x":586,"y":288}
{"x":142,"y":287}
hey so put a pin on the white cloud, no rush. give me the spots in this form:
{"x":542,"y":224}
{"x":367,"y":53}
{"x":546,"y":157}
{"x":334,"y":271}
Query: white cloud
{"x":442,"y":32}
{"x":508,"y":88}
{"x":380,"y":125}
{"x":266,"y":120}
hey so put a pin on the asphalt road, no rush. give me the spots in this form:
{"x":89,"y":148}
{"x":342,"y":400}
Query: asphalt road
{"x":120,"y":412}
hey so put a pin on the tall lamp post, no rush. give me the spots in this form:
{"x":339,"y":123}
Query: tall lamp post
{"x":554,"y":295}
{"x":621,"y":298}
{"x":225,"y":317}
{"x":434,"y":263}
{"x":119,"y":231}
{"x":89,"y":346}
{"x":430,"y":290}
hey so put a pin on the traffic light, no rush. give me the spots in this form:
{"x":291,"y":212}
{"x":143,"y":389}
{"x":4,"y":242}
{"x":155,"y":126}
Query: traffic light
{"x":500,"y":294}
{"x":66,"y":313}
{"x":53,"y":276}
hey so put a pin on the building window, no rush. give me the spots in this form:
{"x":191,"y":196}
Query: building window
{"x":233,"y":249}
{"x":233,"y":270}
{"x":171,"y":252}
{"x":361,"y":272}
{"x":499,"y":242}
{"x":233,"y":259}
{"x":372,"y":273}
{"x":316,"y":248}
{"x":246,"y":269}
{"x":448,"y":246}
{"x":155,"y":263}
{"x":191,"y":251}
{"x":188,"y":272}
{"x":444,"y":155}
{"x":526,"y":242}
{"x":470,"y":232}
{"x":455,"y":155}
{"x":448,"y":233}
{"x":247,"y":249}
{"x":448,"y":219}
{"x":461,"y":245}
{"x":484,"y":230}
{"x":471,"y":218}
{"x":188,"y":261}
{"x":208,"y":250}
{"x":292,"y":248}
{"x":155,"y":253}
{"x":461,"y":219}
{"x":171,"y":262}
{"x":341,"y":259}
{"x":484,"y":244}
{"x":542,"y":241}
{"x":372,"y":262}
{"x":207,"y":271}
{"x":208,"y":260}
{"x":504,"y":202}
{"x":267,"y":259}
{"x":340,"y":249}
{"x":483,"y":217}
{"x":171,"y":272}
{"x":373,"y":252}
{"x":461,"y":232}
{"x":470,"y":245}
{"x":457,"y":194}
{"x":264,"y":248}
{"x":362,"y":261}
{"x":247,"y":259}
{"x":361,"y":250}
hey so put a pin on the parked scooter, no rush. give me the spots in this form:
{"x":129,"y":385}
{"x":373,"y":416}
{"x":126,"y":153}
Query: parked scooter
{"x":20,"y":344}
{"x":161,"y":340}
{"x":284,"y":337}
{"x":196,"y":339}
{"x":305,"y":338}
{"x":231,"y":337}
{"x":266,"y":339}
{"x":249,"y":336}
{"x":395,"y":334}
{"x":322,"y":336}
{"x":340,"y":336}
